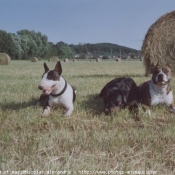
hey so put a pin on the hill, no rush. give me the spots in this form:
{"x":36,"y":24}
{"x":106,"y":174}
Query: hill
{"x":108,"y":49}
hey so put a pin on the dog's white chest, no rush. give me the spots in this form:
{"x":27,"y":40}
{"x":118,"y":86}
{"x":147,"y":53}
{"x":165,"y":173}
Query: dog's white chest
{"x":160,"y":96}
{"x":55,"y":101}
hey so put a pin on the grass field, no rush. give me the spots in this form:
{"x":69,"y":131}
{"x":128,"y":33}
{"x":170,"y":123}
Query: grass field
{"x":88,"y":142}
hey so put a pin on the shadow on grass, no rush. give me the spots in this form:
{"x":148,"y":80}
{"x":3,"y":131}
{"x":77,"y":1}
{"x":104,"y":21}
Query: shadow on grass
{"x":109,"y":75}
{"x":18,"y":105}
{"x":90,"y":103}
{"x":93,"y":104}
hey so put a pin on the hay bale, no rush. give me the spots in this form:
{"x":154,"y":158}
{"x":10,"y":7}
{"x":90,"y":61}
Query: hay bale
{"x":53,"y":59}
{"x":118,"y":59}
{"x":98,"y":60}
{"x":141,"y":58}
{"x":66,"y":60}
{"x":74,"y":60}
{"x":34,"y":59}
{"x":4,"y":59}
{"x":159,"y":43}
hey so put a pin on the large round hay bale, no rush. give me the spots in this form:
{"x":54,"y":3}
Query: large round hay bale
{"x":4,"y":59}
{"x":66,"y":60}
{"x":159,"y":43}
{"x":118,"y":59}
{"x":98,"y":60}
{"x":34,"y":59}
{"x":141,"y":58}
{"x":53,"y":59}
{"x":74,"y":60}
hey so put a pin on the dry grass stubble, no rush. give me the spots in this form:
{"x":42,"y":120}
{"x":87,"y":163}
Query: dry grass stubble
{"x":88,"y":140}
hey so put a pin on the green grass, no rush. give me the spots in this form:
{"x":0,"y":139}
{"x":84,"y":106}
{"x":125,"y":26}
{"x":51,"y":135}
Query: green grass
{"x":88,"y":140}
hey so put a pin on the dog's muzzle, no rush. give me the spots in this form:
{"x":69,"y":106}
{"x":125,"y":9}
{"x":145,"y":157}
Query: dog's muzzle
{"x":160,"y":78}
{"x":40,"y":87}
{"x":106,"y":111}
{"x":109,"y":111}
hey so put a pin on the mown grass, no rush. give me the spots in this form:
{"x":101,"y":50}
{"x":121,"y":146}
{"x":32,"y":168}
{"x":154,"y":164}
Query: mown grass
{"x":88,"y":140}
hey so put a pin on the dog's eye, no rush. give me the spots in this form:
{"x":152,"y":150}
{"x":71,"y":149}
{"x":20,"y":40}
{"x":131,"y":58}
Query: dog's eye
{"x":165,"y":71}
{"x":49,"y":77}
{"x":156,"y":71}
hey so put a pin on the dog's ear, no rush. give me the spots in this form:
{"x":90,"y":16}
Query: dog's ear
{"x":45,"y":67}
{"x":58,"y":68}
{"x":151,"y":68}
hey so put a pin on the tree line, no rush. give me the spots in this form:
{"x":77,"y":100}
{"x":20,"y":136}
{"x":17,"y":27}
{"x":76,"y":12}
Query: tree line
{"x":26,"y":44}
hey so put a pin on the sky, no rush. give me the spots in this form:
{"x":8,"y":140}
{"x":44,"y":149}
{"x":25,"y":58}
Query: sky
{"x":122,"y":22}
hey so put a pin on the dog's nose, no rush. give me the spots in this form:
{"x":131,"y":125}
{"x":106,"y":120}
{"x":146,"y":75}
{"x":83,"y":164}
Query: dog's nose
{"x":160,"y":77}
{"x":40,"y":87}
{"x":106,"y":111}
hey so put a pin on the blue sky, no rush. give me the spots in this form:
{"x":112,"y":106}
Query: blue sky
{"x":123,"y":22}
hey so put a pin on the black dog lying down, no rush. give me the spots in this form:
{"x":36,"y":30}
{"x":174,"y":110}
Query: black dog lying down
{"x":120,"y":93}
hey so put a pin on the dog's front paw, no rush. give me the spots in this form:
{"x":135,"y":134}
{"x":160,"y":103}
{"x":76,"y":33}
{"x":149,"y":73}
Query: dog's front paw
{"x":172,"y":110}
{"x":69,"y":109}
{"x":148,"y":113}
{"x":46,"y":111}
{"x":67,"y":114}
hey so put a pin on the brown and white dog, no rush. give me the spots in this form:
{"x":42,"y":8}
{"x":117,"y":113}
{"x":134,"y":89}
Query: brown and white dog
{"x":157,"y":90}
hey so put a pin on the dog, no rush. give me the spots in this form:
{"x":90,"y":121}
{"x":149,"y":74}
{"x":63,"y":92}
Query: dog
{"x":158,"y":89}
{"x":120,"y":93}
{"x":56,"y":91}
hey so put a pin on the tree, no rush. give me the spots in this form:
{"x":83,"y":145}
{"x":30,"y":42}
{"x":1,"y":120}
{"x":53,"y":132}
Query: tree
{"x":105,"y":57}
{"x":32,"y":43}
{"x":6,"y":43}
{"x":18,"y":50}
{"x":51,"y":50}
{"x":65,"y":52}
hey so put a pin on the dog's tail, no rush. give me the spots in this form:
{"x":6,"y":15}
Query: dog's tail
{"x":74,"y":93}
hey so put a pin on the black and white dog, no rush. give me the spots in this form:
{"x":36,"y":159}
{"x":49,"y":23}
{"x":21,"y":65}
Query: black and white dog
{"x":158,"y":89}
{"x":121,"y":93}
{"x":56,"y":91}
